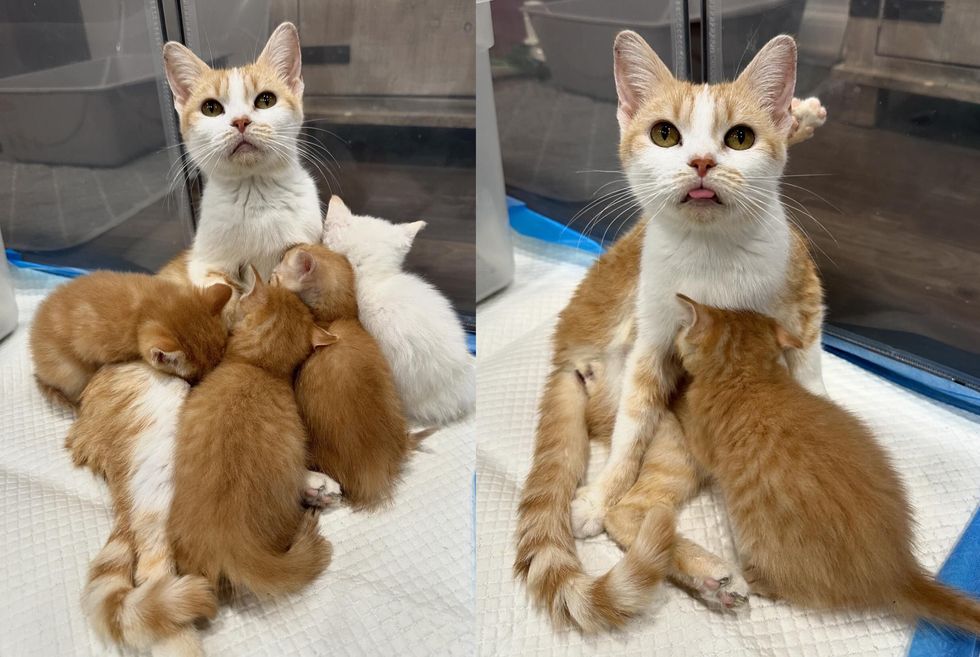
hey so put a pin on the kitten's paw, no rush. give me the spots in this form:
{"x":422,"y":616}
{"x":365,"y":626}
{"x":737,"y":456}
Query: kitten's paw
{"x":588,"y":512}
{"x":729,"y":592}
{"x":321,"y":491}
{"x":808,"y":115}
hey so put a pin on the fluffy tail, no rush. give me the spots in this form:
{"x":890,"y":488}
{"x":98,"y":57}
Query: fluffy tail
{"x":266,"y":573}
{"x":159,"y":609}
{"x":941,"y":604}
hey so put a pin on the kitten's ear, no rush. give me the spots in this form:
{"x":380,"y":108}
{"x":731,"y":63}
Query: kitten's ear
{"x":253,"y":281}
{"x":772,"y":76}
{"x":786,"y":339}
{"x":304,"y":262}
{"x":695,"y":317}
{"x":282,"y":54}
{"x":216,"y":296}
{"x":166,"y":356}
{"x":322,"y":338}
{"x":337,"y":210}
{"x":412,"y":229}
{"x":184,"y":69}
{"x":638,"y":72}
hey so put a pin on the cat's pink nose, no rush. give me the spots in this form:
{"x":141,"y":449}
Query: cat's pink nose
{"x":702,"y":164}
{"x":241,"y":123}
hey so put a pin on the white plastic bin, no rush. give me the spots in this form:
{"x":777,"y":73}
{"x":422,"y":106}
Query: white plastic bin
{"x":8,"y":305}
{"x":494,"y":251}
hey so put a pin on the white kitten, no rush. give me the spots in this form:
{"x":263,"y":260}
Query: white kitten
{"x":240,"y":127}
{"x":413,"y":322}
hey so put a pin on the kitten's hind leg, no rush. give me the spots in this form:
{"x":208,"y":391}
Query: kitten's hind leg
{"x":321,"y":491}
{"x":670,"y":476}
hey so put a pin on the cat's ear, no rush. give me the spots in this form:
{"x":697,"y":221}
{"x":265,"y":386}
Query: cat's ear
{"x":771,"y":75}
{"x":253,"y":282}
{"x":167,"y":355}
{"x":184,"y":69}
{"x":412,"y":229}
{"x":337,"y":210}
{"x":694,"y":316}
{"x":786,"y":339}
{"x":304,"y":263}
{"x":322,"y":338}
{"x":638,"y":72}
{"x":282,"y":54}
{"x":216,"y":296}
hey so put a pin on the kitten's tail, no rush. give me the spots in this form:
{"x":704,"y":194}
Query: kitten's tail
{"x":162,"y":608}
{"x":265,"y":573}
{"x":612,"y":599}
{"x":942,"y":604}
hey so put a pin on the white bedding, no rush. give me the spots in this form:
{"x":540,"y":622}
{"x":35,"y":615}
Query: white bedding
{"x":400,"y":582}
{"x":936,"y":448}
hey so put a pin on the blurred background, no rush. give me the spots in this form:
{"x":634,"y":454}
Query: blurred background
{"x":888,"y":191}
{"x":91,"y":170}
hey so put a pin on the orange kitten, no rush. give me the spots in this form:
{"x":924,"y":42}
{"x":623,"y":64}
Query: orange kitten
{"x":111,"y":317}
{"x":820,"y":516}
{"x":125,"y":432}
{"x":346,"y":393}
{"x":241,"y":456}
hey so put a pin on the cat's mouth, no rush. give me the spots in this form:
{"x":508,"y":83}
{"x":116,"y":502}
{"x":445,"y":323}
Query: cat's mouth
{"x":244,"y":146}
{"x":701,"y":195}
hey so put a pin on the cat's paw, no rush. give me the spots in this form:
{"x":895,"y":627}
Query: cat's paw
{"x":588,"y":512}
{"x":808,"y":115}
{"x":729,"y":592}
{"x":321,"y":491}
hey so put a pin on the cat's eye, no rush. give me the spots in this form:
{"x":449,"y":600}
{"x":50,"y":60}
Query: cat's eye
{"x":664,"y":134}
{"x":265,"y":100}
{"x":211,"y":107}
{"x":740,"y":137}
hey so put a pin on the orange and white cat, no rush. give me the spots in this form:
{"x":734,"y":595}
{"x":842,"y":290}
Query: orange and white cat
{"x":346,"y":393}
{"x":704,"y":162}
{"x":111,"y":317}
{"x":240,"y":470}
{"x":125,"y":432}
{"x":820,"y":517}
{"x":241,"y":129}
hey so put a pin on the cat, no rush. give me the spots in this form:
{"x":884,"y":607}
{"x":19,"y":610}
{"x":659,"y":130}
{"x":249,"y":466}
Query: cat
{"x":820,"y":517}
{"x":237,"y":517}
{"x":125,"y":432}
{"x":346,"y":395}
{"x":111,"y":317}
{"x":241,"y":129}
{"x":414,"y":324}
{"x":704,"y":162}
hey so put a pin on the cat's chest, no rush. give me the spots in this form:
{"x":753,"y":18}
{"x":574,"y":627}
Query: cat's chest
{"x":262,"y":209}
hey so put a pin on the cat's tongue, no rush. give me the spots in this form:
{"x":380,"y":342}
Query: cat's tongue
{"x":700,"y":193}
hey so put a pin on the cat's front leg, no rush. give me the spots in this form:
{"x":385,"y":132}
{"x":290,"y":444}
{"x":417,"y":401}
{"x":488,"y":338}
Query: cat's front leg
{"x":805,"y":366}
{"x":648,"y":381}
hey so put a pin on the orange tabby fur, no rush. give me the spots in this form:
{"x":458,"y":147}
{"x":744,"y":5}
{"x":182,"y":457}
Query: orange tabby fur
{"x":110,"y":317}
{"x":821,"y":519}
{"x":346,"y":395}
{"x":241,"y":455}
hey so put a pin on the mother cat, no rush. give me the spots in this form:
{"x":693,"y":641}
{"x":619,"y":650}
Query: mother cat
{"x":705,"y":163}
{"x":241,"y":129}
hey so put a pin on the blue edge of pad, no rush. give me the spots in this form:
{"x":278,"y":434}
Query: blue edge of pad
{"x":961,"y":568}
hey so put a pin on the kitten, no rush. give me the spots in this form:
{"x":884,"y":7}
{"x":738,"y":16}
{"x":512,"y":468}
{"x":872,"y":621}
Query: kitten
{"x":704,"y":163}
{"x":110,"y":317}
{"x":125,"y":433}
{"x":346,"y":394}
{"x":241,"y":452}
{"x":241,"y":129}
{"x":820,"y":517}
{"x":413,"y":322}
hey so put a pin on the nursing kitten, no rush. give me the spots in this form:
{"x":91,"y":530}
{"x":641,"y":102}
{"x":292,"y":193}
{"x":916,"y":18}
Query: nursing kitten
{"x":241,"y":454}
{"x":241,"y":128}
{"x":704,"y":162}
{"x":125,"y":432}
{"x":414,"y":324}
{"x":820,"y":517}
{"x":110,"y":317}
{"x":346,"y":394}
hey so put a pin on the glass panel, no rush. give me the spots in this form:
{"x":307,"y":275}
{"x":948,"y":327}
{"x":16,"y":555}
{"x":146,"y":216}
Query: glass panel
{"x":887,"y":189}
{"x":85,"y":172}
{"x":556,"y":102}
{"x":389,"y":118}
